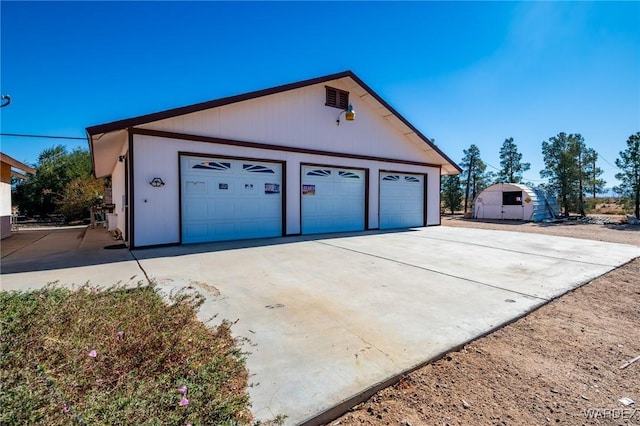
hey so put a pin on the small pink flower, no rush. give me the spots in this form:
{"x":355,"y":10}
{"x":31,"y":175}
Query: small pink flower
{"x":183,"y":390}
{"x":65,"y":408}
{"x":184,"y":401}
{"x":120,"y":334}
{"x":42,"y":296}
{"x":93,"y":353}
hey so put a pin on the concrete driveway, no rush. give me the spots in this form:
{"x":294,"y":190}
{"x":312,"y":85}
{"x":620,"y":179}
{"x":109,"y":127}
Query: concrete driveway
{"x":333,"y":318}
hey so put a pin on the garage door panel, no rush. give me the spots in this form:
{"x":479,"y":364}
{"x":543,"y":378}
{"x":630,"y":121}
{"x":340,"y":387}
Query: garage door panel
{"x":333,"y":199}
{"x":228,"y":199}
{"x":401,"y":200}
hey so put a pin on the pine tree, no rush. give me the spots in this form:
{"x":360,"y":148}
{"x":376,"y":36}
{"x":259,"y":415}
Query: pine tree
{"x":629,"y":177}
{"x":451,"y":192}
{"x":511,"y":163}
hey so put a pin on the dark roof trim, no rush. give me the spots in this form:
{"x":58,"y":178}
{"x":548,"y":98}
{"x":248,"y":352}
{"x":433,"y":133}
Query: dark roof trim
{"x":143,"y":119}
{"x":211,"y":139}
{"x":404,"y":120}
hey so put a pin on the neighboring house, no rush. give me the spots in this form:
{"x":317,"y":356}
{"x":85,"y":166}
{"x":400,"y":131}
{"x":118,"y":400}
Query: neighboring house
{"x":9,"y":167}
{"x":288,"y":160}
{"x":513,"y":201}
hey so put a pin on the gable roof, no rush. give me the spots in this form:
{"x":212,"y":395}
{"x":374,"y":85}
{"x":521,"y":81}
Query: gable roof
{"x":174,"y":112}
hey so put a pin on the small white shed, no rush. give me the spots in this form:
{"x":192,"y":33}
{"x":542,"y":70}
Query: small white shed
{"x":513,"y":201}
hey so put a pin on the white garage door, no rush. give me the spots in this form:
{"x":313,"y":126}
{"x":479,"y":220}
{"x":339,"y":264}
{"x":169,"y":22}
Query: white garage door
{"x":333,"y":199}
{"x":225,"y":199}
{"x":401,"y":200}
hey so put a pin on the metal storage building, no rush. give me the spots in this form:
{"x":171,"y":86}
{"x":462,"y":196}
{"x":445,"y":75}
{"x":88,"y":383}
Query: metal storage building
{"x":512,"y":201}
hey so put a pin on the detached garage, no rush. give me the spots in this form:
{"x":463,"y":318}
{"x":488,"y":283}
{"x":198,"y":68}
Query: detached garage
{"x":241,"y":167}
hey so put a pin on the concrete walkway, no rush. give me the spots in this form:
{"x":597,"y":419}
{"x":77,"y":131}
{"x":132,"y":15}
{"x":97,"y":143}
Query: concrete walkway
{"x":70,"y":256}
{"x":333,"y":318}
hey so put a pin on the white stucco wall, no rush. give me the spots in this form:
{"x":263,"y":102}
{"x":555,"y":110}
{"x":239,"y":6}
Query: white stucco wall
{"x":157,"y":210}
{"x":5,"y":199}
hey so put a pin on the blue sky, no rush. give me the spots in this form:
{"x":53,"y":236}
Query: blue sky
{"x":462,"y":73}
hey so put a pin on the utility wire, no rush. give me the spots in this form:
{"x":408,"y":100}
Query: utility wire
{"x":19,"y":135}
{"x":523,"y":177}
{"x":607,"y":161}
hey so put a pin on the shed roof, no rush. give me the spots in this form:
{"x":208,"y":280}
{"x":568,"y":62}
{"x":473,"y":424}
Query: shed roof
{"x":501,"y":187}
{"x":366,"y":93}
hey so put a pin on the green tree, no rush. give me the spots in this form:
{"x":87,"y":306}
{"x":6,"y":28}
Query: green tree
{"x":451,"y":192}
{"x":511,"y":163}
{"x":561,"y":167}
{"x":79,"y":196}
{"x":629,"y":177}
{"x":475,"y":176}
{"x":43,"y":193}
{"x":593,"y":183}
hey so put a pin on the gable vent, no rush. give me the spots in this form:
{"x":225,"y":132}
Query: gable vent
{"x":337,"y":98}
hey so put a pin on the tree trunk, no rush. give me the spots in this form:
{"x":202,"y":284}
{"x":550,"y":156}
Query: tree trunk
{"x":594,"y":178}
{"x":466,"y":192}
{"x":580,"y":187}
{"x":637,"y":198}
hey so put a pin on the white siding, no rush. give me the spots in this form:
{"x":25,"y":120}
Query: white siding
{"x":299,"y":118}
{"x":156,"y":210}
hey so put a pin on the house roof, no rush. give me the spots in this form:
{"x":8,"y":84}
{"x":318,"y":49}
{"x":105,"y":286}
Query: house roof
{"x":386,"y":109}
{"x":16,"y":164}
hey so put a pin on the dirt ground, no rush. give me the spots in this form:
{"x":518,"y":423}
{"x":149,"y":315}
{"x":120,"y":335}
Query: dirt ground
{"x":558,"y":365}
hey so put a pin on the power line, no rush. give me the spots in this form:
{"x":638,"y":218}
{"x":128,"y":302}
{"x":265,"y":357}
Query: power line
{"x":606,"y":161}
{"x":19,"y":135}
{"x":491,"y":166}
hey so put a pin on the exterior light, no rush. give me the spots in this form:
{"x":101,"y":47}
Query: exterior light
{"x":349,"y":114}
{"x":156,"y":182}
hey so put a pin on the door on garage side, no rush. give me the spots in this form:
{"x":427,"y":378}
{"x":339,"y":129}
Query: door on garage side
{"x":230,"y":199}
{"x":333,"y":199}
{"x":402,"y":200}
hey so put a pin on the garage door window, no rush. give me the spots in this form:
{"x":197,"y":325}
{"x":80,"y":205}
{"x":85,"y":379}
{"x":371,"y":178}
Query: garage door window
{"x":257,"y":168}
{"x":212,"y":165}
{"x":348,"y":175}
{"x":319,"y":172}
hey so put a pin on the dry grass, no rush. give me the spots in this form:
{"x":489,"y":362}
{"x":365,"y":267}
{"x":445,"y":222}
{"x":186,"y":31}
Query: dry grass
{"x":116,"y":357}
